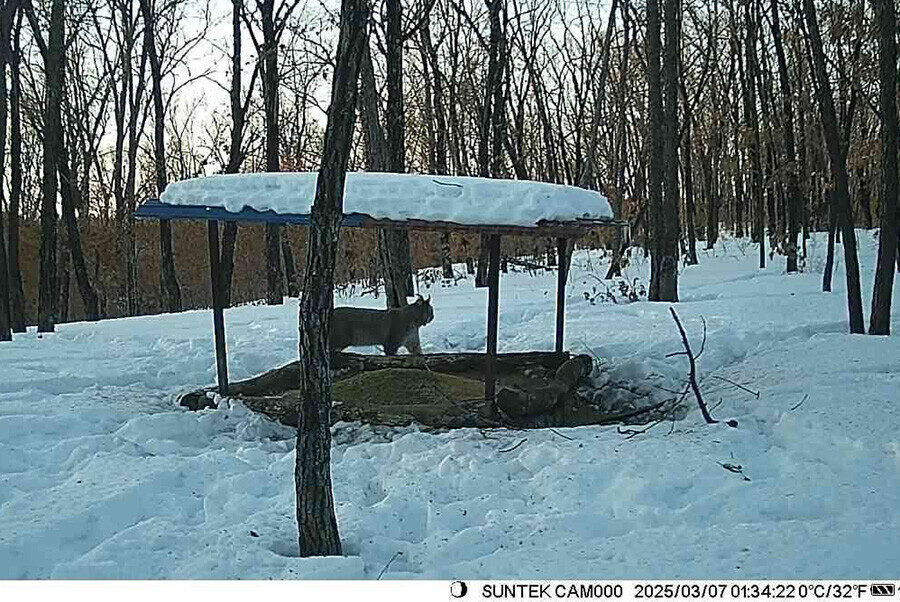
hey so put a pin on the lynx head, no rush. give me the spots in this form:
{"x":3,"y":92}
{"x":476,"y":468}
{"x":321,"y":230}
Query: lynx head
{"x":422,"y":311}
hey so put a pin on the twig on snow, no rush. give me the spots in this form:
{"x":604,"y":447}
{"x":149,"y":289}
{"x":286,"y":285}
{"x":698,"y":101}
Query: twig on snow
{"x":446,"y":183}
{"x":738,"y":385}
{"x":393,"y":558}
{"x":556,"y":432}
{"x":514,"y":447}
{"x":735,"y":468}
{"x":805,"y":397}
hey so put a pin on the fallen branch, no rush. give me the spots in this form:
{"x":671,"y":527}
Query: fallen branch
{"x":692,"y":375}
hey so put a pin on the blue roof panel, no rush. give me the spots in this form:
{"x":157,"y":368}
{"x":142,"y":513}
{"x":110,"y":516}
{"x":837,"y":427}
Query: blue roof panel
{"x":153,"y":209}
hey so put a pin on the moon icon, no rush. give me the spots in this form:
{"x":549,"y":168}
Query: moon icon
{"x":458,"y":589}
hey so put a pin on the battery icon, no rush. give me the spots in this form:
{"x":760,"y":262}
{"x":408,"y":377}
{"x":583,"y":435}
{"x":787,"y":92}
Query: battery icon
{"x":883,"y":589}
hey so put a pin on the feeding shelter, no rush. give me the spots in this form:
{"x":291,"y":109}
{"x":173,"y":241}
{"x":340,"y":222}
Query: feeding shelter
{"x":493,"y":207}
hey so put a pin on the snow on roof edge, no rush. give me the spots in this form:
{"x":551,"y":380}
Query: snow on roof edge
{"x":400,"y":197}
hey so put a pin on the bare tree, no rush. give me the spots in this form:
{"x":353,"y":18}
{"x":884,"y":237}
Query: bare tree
{"x":787,"y":130}
{"x":662,"y":131}
{"x":7,"y":10}
{"x":236,"y":153}
{"x":272,"y":22}
{"x":170,"y":292}
{"x":491,"y":117}
{"x":53,"y":53}
{"x":316,"y":521}
{"x":752,"y":120}
{"x":16,"y":292}
{"x":880,"y":320}
{"x":393,"y":244}
{"x":840,"y":195}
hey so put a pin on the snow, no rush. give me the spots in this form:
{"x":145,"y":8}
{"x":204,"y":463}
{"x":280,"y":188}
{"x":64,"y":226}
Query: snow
{"x":400,"y":197}
{"x":102,"y":476}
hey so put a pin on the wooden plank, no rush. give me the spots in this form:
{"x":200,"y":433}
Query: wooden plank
{"x":571,"y":229}
{"x":218,"y":309}
{"x":490,"y":369}
{"x":562,"y":275}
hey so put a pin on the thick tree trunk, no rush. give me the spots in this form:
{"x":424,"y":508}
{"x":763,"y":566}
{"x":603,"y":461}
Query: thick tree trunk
{"x":53,"y":69}
{"x":837,"y":155}
{"x":316,"y":521}
{"x":664,"y":263}
{"x":880,"y":320}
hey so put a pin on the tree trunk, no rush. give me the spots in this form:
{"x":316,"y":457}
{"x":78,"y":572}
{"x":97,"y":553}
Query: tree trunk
{"x":316,"y":521}
{"x":880,"y":320}
{"x":389,"y":246}
{"x":430,"y":58}
{"x":16,"y":290}
{"x":54,"y":70}
{"x":686,"y":152}
{"x":794,"y":202}
{"x":71,"y":198}
{"x":235,"y":154}
{"x":619,"y":242}
{"x":837,"y":155}
{"x":492,"y":102}
{"x":5,"y":30}
{"x":752,"y":120}
{"x":655,"y":143}
{"x":5,"y":317}
{"x":829,"y":253}
{"x":170,"y":291}
{"x":274,"y":273}
{"x":663,"y":126}
{"x":393,"y":245}
{"x":711,"y":179}
{"x":64,"y":278}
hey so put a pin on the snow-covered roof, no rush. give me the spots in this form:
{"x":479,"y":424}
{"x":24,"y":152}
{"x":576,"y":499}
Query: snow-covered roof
{"x":400,"y":197}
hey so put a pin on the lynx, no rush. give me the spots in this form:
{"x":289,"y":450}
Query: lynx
{"x":391,"y":328}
